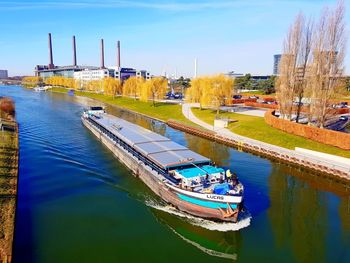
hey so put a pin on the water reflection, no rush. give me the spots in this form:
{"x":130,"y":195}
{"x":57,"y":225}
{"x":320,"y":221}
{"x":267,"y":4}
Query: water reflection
{"x":298,"y":216}
{"x":344,"y":214}
{"x":219,"y":153}
{"x":213,"y":243}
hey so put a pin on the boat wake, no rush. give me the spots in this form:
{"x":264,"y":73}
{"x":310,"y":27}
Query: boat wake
{"x":243,"y":222}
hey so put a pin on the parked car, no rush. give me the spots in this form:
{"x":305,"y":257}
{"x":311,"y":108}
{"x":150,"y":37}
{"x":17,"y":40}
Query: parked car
{"x":237,"y":97}
{"x":169,"y":95}
{"x":343,"y":118}
{"x":253,"y":97}
{"x":178,"y":96}
{"x":296,"y":103}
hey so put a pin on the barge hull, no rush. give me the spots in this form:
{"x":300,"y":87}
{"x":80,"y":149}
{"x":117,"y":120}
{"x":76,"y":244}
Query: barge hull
{"x":149,"y":177}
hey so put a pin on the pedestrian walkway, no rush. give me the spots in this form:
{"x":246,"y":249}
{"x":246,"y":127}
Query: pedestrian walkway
{"x":186,"y":111}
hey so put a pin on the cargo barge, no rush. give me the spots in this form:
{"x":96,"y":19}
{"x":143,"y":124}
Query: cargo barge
{"x":185,"y":179}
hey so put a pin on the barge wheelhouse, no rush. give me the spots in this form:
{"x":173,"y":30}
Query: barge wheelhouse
{"x":181,"y":177}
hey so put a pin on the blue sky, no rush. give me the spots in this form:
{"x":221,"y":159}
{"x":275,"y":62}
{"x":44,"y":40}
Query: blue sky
{"x":239,"y":35}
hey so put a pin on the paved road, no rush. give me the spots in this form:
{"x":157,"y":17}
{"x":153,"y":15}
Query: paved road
{"x":338,"y":125}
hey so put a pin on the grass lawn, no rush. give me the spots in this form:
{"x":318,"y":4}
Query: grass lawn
{"x":256,"y":128}
{"x":162,"y":111}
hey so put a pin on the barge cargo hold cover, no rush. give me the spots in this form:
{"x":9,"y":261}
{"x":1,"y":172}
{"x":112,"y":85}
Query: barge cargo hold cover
{"x":157,"y":148}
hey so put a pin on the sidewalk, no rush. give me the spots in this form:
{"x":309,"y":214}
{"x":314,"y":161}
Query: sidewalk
{"x":341,"y":166}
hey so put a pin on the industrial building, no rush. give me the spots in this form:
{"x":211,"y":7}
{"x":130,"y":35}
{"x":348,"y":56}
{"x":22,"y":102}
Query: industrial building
{"x":124,"y":73}
{"x":276,"y":64}
{"x":88,"y":73}
{"x":66,"y":71}
{"x":51,"y":70}
{"x":232,"y":74}
{"x":3,"y":74}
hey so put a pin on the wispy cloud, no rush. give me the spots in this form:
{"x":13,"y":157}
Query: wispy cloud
{"x":172,"y":6}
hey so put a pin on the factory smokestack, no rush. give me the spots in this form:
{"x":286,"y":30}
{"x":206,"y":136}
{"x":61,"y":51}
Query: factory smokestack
{"x":74,"y":53}
{"x":102,"y":55}
{"x":118,"y":54}
{"x":51,"y":65}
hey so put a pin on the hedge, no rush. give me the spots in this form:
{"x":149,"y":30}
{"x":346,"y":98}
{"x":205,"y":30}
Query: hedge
{"x":240,"y":101}
{"x":261,"y":105}
{"x":334,"y":138}
{"x":7,"y":108}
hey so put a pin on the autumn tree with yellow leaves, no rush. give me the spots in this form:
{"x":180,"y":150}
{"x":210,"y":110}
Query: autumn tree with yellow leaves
{"x":31,"y":81}
{"x":61,"y":81}
{"x":194,"y":94}
{"x":211,"y":91}
{"x":217,"y":90}
{"x":153,"y":89}
{"x":132,"y":87}
{"x":112,"y":87}
{"x":94,"y":86}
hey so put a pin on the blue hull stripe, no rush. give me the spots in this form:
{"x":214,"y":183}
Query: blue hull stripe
{"x":208,"y":204}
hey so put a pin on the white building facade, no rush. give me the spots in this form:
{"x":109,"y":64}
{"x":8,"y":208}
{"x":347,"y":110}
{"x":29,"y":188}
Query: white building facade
{"x":95,"y":74}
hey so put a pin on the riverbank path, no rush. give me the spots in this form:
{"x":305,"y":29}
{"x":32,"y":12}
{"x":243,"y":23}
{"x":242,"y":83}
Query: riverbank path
{"x":331,"y":161}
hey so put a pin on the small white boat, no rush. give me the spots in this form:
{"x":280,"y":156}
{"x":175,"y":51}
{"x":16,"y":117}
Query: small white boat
{"x":41,"y":88}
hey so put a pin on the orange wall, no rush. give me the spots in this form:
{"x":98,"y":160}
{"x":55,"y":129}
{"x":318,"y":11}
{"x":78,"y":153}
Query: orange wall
{"x":334,"y":138}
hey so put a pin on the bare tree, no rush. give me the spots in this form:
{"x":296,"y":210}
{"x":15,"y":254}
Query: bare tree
{"x":312,"y":64}
{"x":286,"y":84}
{"x":327,"y":68}
{"x":303,"y":69}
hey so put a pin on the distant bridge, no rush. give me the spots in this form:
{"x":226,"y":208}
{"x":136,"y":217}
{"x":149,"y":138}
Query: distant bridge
{"x":10,"y":82}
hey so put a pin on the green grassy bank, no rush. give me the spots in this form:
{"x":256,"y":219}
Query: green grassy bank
{"x":256,"y":128}
{"x":162,"y":111}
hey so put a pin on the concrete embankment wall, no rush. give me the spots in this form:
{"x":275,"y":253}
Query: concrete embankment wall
{"x":330,"y":169}
{"x":334,"y":138}
{"x":8,"y":187}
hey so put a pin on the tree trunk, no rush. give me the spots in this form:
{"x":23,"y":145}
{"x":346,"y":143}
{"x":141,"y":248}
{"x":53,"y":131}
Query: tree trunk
{"x":300,"y":97}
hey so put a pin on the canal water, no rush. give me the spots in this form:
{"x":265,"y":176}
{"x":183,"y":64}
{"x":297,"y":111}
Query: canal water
{"x":77,"y":203}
